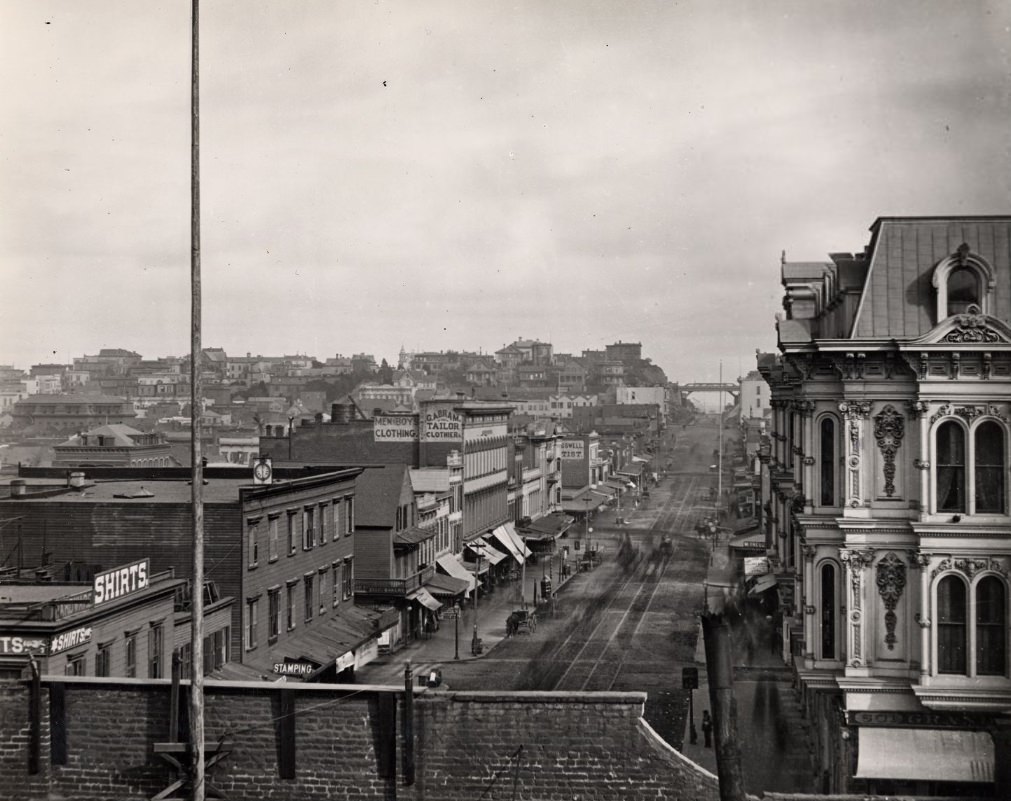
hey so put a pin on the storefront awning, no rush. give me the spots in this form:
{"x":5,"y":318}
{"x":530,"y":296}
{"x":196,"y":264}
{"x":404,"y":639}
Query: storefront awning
{"x":453,"y":567}
{"x":512,"y":542}
{"x":548,"y":527}
{"x":487,"y":553}
{"x":447,"y":586}
{"x":925,"y":754}
{"x":749,"y":541}
{"x":424,"y":597}
{"x":584,"y":502}
{"x":762,"y":583}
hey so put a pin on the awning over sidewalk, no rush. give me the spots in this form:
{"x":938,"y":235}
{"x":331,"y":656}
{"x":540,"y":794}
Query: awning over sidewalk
{"x":342,"y":640}
{"x":617,"y":484}
{"x":631,"y":469}
{"x":762,"y":583}
{"x":454,"y":567}
{"x":487,"y":553}
{"x":925,"y":754}
{"x":512,"y":542}
{"x":444,"y":586}
{"x":548,"y":527}
{"x":586,"y":501}
{"x":424,"y":597}
{"x":753,"y":540}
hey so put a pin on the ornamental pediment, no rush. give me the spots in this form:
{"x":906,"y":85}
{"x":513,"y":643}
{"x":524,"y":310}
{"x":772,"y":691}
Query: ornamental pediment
{"x":967,"y":329}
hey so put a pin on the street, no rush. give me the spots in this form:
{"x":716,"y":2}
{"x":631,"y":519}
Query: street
{"x":631,"y":623}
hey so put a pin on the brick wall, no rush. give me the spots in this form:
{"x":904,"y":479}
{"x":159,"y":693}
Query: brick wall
{"x":347,"y":744}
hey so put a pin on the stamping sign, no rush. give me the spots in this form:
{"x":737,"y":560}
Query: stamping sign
{"x":298,"y":669}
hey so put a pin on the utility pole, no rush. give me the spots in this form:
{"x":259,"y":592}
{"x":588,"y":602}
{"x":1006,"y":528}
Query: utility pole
{"x":719,"y":479}
{"x":719,"y":666}
{"x":196,"y":408}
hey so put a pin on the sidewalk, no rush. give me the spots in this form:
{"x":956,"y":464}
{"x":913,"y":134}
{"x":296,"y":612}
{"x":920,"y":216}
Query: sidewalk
{"x":440,"y":649}
{"x":771,"y":728}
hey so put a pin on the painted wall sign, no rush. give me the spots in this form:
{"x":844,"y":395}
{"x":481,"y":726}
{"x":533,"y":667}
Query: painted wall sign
{"x":395,"y":428}
{"x":22,"y":645}
{"x":69,"y":639}
{"x":293,"y":668}
{"x":122,"y":581}
{"x":442,"y":423}
{"x":572,"y":450}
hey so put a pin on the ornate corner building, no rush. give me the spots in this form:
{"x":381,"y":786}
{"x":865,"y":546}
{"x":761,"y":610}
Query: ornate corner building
{"x":886,"y":508}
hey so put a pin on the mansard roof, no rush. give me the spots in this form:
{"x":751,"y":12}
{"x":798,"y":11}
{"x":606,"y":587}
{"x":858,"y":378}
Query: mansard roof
{"x":898,"y":299}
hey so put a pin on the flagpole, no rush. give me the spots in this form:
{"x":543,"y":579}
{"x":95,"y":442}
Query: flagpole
{"x":196,"y":409}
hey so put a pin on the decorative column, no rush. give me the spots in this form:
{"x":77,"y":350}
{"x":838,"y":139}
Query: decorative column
{"x":918,"y":411}
{"x":807,"y":601}
{"x":806,"y":477}
{"x":922,"y":561}
{"x":856,"y":630}
{"x":854,"y":413}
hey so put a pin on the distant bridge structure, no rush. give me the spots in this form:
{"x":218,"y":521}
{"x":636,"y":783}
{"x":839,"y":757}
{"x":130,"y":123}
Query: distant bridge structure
{"x":733,"y":389}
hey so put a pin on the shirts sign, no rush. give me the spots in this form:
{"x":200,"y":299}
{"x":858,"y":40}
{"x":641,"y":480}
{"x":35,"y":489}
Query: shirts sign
{"x":69,"y":639}
{"x":120,"y":581}
{"x":22,"y":645}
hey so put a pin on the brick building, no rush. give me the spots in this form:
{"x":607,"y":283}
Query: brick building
{"x":284,"y":550}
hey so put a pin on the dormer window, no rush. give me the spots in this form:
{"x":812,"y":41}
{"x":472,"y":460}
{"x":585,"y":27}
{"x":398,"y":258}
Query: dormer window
{"x":963,"y":290}
{"x":964,"y":283}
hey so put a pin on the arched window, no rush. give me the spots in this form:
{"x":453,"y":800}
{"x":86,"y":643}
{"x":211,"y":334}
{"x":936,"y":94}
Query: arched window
{"x":989,"y":467}
{"x":827,"y":461}
{"x":828,"y":611}
{"x":951,"y":625}
{"x":991,"y":627}
{"x":950,"y":467}
{"x":963,"y":290}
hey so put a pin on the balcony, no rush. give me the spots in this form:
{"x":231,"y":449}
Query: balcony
{"x":393,"y":587}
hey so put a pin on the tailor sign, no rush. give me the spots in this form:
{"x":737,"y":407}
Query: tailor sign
{"x":122,"y":581}
{"x":395,"y":428}
{"x":442,"y":423}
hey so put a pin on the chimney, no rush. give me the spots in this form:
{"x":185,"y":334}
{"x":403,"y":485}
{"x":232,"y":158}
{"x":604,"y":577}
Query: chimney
{"x":340,"y":413}
{"x":19,"y":488}
{"x":75,"y":480}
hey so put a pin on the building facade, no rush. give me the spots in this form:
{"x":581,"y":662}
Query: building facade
{"x":887,"y":502}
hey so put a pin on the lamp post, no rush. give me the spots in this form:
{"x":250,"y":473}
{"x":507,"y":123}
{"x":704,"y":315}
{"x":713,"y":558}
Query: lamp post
{"x":477,"y":586}
{"x":456,"y":632}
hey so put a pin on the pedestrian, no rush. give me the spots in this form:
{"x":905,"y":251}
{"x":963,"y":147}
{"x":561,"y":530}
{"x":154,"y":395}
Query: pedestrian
{"x":707,"y":729}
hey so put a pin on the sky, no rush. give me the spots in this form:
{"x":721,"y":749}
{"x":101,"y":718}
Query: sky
{"x":456,"y":175}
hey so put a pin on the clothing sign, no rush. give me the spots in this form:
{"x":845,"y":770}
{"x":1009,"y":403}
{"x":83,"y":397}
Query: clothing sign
{"x":442,"y":423}
{"x":70,"y":639}
{"x":395,"y":428}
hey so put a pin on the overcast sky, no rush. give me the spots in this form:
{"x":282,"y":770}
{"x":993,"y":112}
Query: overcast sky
{"x":459,"y":174}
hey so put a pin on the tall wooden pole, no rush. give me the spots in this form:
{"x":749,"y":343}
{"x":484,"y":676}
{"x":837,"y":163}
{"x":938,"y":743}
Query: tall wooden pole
{"x":196,"y":409}
{"x":719,"y":667}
